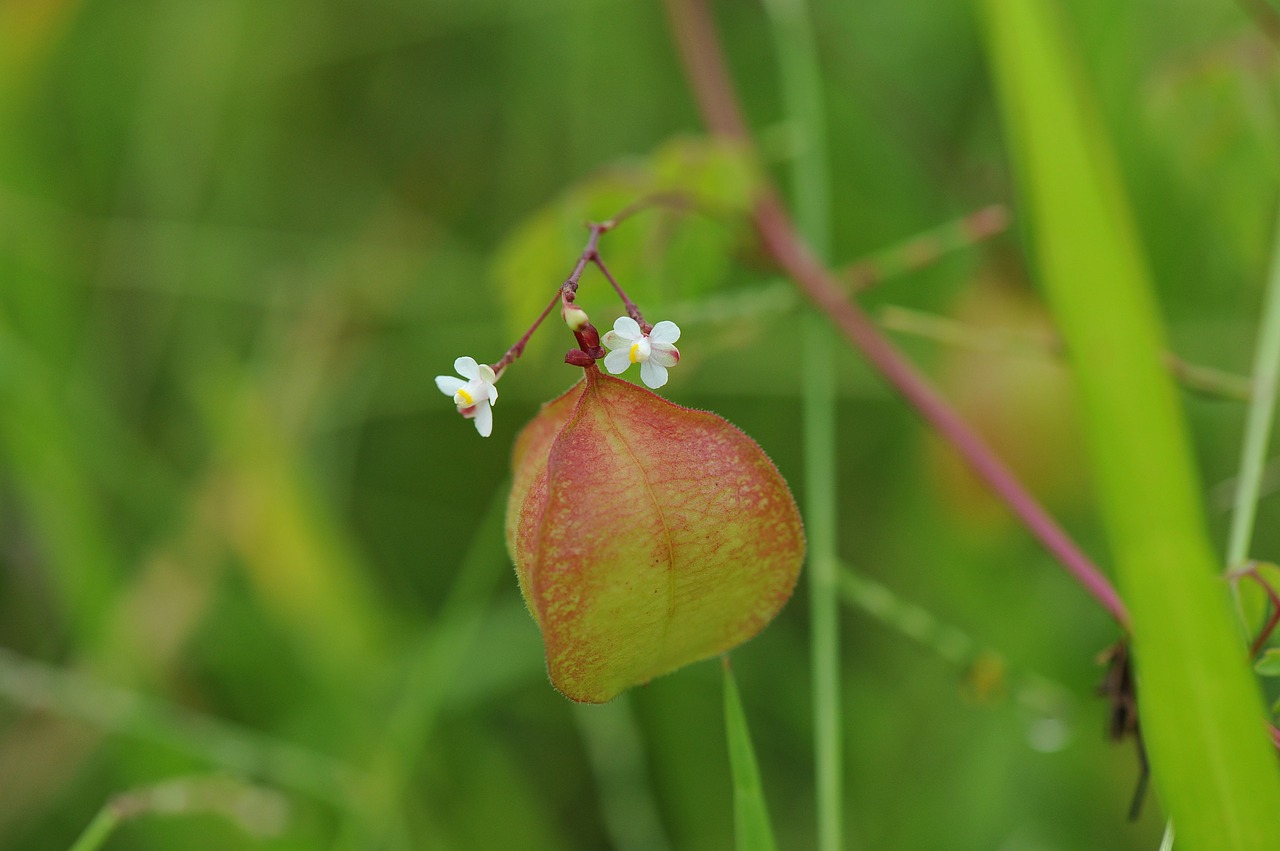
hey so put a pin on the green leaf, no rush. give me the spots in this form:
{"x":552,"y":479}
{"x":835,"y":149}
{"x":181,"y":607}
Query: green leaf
{"x":1211,"y":762}
{"x":1269,"y":664}
{"x":750,"y":812}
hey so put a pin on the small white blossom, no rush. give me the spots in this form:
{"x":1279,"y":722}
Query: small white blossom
{"x":475,"y":396}
{"x":653,"y":351}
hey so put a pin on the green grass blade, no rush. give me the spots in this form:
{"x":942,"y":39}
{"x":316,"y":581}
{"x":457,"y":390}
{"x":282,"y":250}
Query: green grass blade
{"x":750,"y":813}
{"x":98,"y":831}
{"x":802,"y":97}
{"x":1200,"y":710}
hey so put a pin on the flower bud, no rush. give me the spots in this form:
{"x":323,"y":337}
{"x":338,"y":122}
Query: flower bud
{"x":646,"y":536}
{"x":575,"y":317}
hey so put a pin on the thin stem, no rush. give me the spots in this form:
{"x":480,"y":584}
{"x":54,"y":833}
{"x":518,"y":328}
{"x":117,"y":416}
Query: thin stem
{"x":818,"y":284}
{"x":565,"y":293}
{"x":1260,"y":641}
{"x":569,"y":289}
{"x":589,"y":253}
{"x":949,"y":642}
{"x":518,"y":349}
{"x":1208,"y":380}
{"x":1266,"y":374}
{"x":615,"y":751}
{"x":925,"y":249}
{"x":704,"y":64}
{"x":1014,"y":342}
{"x":71,"y":694}
{"x":98,"y":831}
{"x":1196,"y":378}
{"x":256,"y":810}
{"x":674,"y":200}
{"x":627,"y":303}
{"x":824,"y":618}
{"x":802,"y":100}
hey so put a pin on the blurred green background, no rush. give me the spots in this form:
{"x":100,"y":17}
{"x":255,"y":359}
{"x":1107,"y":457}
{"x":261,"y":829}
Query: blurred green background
{"x":241,"y":532}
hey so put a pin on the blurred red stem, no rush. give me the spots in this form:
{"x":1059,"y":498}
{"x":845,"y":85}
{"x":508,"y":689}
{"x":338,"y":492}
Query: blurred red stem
{"x":1274,"y":618}
{"x":705,"y":69}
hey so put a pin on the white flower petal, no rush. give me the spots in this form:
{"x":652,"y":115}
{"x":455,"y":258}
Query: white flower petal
{"x":486,"y":374}
{"x":614,"y":340}
{"x":653,"y":374}
{"x":484,"y":419}
{"x":665,"y":354}
{"x":467,"y":367}
{"x":449,"y":385}
{"x":628,"y":328}
{"x":665,"y":332}
{"x":618,"y":360}
{"x":492,"y":390}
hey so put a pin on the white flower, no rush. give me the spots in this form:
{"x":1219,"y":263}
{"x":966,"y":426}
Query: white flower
{"x":653,"y":351}
{"x":474,"y":397}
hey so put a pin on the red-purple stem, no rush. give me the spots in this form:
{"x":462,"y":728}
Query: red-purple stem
{"x":627,"y":303}
{"x":1274,"y":618}
{"x":705,"y":68}
{"x":588,"y":339}
{"x":518,"y":349}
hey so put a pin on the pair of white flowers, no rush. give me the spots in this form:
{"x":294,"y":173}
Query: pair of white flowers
{"x":628,"y":344}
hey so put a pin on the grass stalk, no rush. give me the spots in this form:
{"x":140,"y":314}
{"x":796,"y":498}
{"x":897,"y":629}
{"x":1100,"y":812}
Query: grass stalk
{"x":802,"y":99}
{"x":98,"y":831}
{"x":1199,"y":706}
{"x":1257,"y":430}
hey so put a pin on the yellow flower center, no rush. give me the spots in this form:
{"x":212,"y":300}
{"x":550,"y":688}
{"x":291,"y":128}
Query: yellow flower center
{"x":638,"y":355}
{"x":463,"y":399}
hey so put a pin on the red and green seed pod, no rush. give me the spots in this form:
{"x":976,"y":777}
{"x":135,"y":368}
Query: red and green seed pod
{"x":646,"y":536}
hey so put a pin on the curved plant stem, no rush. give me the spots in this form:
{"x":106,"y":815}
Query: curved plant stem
{"x":704,"y":64}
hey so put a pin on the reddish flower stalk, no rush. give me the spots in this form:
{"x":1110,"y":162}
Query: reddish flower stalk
{"x":707,"y":73}
{"x":587,"y":336}
{"x":518,"y":349}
